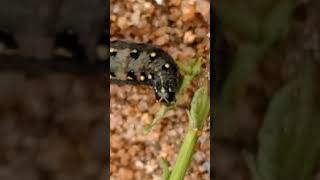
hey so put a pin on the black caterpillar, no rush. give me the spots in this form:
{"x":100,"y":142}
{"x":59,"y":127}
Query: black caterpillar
{"x":137,"y":63}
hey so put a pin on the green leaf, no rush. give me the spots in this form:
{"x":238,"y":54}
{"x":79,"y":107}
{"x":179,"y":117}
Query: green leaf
{"x":190,"y":71}
{"x":200,"y":107}
{"x":192,"y":68}
{"x":185,"y":83}
{"x":160,"y":114}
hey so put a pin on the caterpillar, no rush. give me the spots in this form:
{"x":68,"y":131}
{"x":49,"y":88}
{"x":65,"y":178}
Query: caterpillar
{"x":138,"y":63}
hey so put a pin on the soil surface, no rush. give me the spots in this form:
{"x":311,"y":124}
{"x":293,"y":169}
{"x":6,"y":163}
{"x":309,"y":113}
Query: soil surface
{"x":182,"y":29}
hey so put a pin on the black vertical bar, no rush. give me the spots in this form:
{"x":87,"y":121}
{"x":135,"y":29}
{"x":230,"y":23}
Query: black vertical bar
{"x":107,"y":39}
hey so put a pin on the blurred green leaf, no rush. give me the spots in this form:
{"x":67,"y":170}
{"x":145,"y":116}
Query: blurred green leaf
{"x":289,"y":140}
{"x":276,"y":24}
{"x":245,"y":63}
{"x":272,"y":27}
{"x":275,"y":135}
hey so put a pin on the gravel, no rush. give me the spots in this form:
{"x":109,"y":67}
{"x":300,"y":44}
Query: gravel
{"x":182,"y":29}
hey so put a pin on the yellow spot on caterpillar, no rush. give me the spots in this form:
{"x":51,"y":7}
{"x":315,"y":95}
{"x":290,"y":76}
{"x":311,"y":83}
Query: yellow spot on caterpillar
{"x":149,"y":76}
{"x":167,"y":65}
{"x":142,"y":77}
{"x":153,"y":54}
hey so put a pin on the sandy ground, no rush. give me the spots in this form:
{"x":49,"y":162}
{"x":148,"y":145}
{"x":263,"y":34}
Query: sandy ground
{"x":182,"y":29}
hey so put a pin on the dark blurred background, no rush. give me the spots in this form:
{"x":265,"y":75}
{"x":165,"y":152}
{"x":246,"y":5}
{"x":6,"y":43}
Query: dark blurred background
{"x":266,"y":98}
{"x":53,"y":90}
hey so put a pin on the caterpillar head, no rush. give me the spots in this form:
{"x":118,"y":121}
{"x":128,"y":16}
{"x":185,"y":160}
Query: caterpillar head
{"x":166,"y":88}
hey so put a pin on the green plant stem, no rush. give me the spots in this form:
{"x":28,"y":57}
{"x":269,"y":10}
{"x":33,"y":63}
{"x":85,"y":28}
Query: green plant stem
{"x":185,"y":155}
{"x":166,"y":170}
{"x":199,"y":113}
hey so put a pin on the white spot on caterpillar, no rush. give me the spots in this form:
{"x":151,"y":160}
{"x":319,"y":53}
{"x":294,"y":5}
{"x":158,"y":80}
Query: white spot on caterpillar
{"x":112,"y":50}
{"x":134,"y":51}
{"x":163,"y":90}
